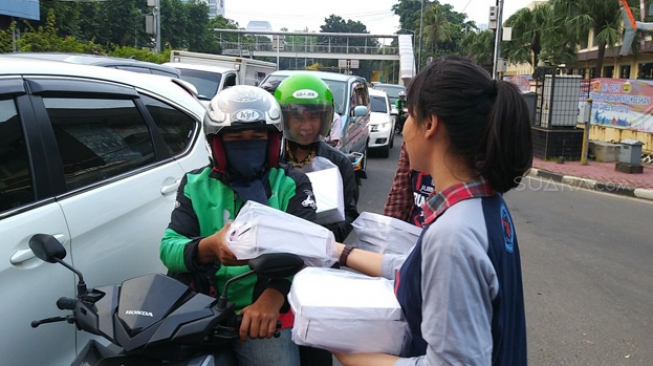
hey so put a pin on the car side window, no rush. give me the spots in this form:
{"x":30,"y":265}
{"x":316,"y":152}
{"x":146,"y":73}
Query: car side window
{"x":230,"y":81}
{"x":362,"y":94}
{"x":16,"y":187}
{"x":359,"y":96}
{"x":176,"y":127}
{"x":98,"y":138}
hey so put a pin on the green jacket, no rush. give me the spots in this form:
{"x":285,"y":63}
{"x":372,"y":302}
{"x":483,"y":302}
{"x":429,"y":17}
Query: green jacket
{"x":203,"y":202}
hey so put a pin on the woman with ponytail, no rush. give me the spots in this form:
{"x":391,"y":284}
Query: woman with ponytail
{"x":461,"y":287}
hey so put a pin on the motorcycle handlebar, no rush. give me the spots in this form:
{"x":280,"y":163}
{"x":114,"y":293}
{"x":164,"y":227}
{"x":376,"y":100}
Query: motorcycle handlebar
{"x":66,"y":303}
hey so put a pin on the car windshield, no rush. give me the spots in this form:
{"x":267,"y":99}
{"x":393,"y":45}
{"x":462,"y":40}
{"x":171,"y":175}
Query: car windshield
{"x":379,"y":104}
{"x":392,"y":91}
{"x":337,"y":89}
{"x":206,"y":82}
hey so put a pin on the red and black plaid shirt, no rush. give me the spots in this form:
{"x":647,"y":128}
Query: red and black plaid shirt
{"x":440,"y":202}
{"x":401,"y":200}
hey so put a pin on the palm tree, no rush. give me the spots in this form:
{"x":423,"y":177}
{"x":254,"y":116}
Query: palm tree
{"x":479,"y":46}
{"x":529,"y":28}
{"x":437,"y":27}
{"x":603,"y":17}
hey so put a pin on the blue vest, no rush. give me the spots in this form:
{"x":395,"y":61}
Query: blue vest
{"x":508,"y":318}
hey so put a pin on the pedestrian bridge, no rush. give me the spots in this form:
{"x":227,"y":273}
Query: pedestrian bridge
{"x":348,"y":47}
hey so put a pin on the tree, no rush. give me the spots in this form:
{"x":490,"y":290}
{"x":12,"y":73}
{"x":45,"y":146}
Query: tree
{"x":437,"y":28}
{"x":479,"y":46}
{"x":603,"y":17}
{"x":336,"y":24}
{"x":528,"y":29}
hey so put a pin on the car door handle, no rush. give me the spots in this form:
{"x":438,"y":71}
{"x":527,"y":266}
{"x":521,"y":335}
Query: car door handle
{"x":167,"y":190}
{"x":26,"y":254}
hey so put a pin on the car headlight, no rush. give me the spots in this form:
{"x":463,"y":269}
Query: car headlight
{"x":380,"y":127}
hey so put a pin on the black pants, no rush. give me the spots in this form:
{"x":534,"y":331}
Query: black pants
{"x":309,"y":356}
{"x":401,"y":119}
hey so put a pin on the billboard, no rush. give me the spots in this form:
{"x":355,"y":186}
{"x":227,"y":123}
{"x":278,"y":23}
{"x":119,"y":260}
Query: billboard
{"x":622,"y":103}
{"x":25,"y":9}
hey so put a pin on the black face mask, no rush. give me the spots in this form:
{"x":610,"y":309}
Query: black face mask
{"x":246,"y":160}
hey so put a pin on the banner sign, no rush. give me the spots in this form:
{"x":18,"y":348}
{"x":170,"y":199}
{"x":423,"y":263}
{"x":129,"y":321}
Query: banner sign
{"x":622,"y":103}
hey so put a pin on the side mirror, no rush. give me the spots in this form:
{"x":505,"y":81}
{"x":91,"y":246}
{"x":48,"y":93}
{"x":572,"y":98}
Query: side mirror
{"x":47,"y":248}
{"x":276,"y":266}
{"x":360,"y":111}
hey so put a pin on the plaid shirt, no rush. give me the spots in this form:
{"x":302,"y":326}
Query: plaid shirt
{"x":440,"y":202}
{"x":401,"y":200}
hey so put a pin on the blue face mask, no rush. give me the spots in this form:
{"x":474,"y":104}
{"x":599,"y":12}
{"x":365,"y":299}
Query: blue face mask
{"x":246,"y":168}
{"x":246,"y":158}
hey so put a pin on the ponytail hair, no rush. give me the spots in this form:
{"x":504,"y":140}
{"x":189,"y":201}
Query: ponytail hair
{"x":507,"y":147}
{"x":488,"y":121}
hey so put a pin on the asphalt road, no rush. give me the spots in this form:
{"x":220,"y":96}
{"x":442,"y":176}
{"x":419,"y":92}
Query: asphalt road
{"x":587,"y":262}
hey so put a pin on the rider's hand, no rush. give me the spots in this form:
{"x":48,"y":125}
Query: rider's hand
{"x":260,"y":318}
{"x":215,"y":246}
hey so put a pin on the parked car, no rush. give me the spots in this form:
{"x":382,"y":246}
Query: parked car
{"x":126,"y":64}
{"x":352,"y":103}
{"x":393,"y":91}
{"x":209,"y":80}
{"x":92,"y":156}
{"x":104,"y":61}
{"x":382,"y":127}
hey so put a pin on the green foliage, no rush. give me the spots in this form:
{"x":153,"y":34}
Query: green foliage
{"x":6,"y":38}
{"x":141,"y":55}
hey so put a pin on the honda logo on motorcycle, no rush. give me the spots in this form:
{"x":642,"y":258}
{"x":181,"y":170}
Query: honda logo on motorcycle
{"x":248,"y":115}
{"x":139,"y":312}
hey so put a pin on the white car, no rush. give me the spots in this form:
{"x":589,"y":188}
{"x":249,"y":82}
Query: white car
{"x":94,"y":157}
{"x":208,"y":80}
{"x":382,"y":131}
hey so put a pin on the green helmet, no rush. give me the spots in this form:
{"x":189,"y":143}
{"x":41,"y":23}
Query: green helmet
{"x":305,"y":93}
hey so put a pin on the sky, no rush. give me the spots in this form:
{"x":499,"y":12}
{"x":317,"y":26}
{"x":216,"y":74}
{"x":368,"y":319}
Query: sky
{"x":375,"y":14}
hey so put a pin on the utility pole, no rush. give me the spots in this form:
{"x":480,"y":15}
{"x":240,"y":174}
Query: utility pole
{"x":157,"y":15}
{"x":497,"y":41}
{"x":421,"y":23}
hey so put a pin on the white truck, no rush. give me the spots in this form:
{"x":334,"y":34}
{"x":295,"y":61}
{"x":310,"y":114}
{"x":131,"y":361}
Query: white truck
{"x":211,"y":73}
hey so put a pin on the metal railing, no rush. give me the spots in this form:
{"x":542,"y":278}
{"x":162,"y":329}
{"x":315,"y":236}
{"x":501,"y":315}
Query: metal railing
{"x":310,"y":48}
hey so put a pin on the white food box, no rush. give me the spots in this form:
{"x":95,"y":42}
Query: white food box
{"x":259,"y":229}
{"x":384,"y":234}
{"x":328,"y":189}
{"x":348,"y":312}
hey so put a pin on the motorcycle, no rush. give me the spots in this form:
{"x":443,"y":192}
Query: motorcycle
{"x":401,"y":119}
{"x":154,"y":319}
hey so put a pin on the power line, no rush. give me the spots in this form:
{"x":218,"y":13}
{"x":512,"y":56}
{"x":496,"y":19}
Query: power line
{"x":465,"y":8}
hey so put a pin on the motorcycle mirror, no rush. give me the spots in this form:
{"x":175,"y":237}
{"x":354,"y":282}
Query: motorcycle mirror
{"x":276,"y":266}
{"x":47,"y":248}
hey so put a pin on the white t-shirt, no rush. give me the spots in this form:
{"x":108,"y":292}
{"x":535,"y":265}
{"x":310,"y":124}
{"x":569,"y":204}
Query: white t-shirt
{"x":336,"y":128}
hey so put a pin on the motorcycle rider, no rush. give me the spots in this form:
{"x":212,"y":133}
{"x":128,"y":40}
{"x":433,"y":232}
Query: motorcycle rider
{"x":307,"y":123}
{"x":243,"y":128}
{"x":307,"y":106}
{"x":400,"y":104}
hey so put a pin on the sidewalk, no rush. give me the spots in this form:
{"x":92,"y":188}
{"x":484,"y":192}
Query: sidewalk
{"x":597,"y":176}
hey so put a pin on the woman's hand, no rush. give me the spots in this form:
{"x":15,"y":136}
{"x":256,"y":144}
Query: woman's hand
{"x":260,"y":318}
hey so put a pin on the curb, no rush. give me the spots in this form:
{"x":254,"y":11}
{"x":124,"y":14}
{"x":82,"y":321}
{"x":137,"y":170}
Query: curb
{"x":592,"y":184}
